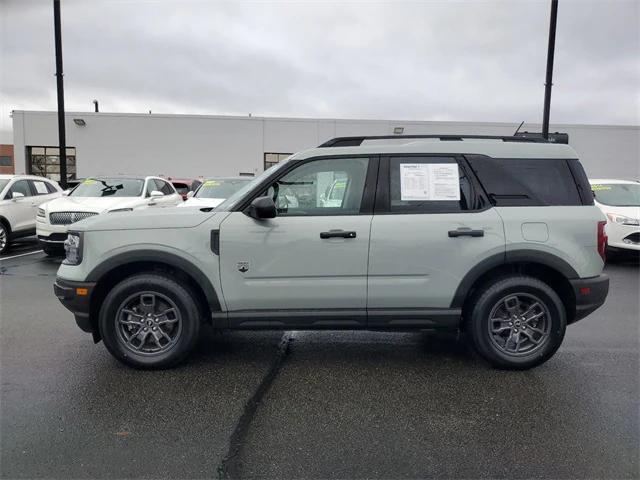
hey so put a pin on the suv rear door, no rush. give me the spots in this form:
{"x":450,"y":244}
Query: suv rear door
{"x":307,"y":266}
{"x":432,"y":224}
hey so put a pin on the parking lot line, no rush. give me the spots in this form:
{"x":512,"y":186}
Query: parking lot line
{"x":21,"y":255}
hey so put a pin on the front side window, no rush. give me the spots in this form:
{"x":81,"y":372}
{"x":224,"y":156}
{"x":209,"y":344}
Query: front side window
{"x":321,"y":187}
{"x":430,"y":185}
{"x":617,"y":194}
{"x":164,"y":187}
{"x":21,"y":186}
{"x":108,"y":187}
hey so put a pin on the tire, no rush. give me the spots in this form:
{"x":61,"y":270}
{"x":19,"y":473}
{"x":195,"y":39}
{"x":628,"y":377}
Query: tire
{"x":134,"y":308}
{"x":509,"y":342}
{"x":4,"y":238}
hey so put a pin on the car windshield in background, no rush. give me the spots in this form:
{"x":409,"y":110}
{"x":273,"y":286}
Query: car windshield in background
{"x":221,"y":188}
{"x":230,"y":202}
{"x":3,"y":183}
{"x":617,"y":194}
{"x":109,"y":187}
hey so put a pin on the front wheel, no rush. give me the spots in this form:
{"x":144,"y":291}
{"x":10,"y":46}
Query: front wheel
{"x":149,"y":321}
{"x":4,"y":239}
{"x":517,"y":323}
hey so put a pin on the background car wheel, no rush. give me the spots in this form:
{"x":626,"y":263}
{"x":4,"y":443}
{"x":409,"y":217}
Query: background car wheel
{"x":4,"y":239}
{"x":517,"y":323}
{"x":149,"y":321}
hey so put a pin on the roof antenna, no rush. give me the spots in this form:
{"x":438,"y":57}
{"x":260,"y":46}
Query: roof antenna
{"x":518,"y":129}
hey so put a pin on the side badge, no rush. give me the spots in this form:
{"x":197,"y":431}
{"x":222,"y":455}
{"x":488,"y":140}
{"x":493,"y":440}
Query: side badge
{"x":243,"y":267}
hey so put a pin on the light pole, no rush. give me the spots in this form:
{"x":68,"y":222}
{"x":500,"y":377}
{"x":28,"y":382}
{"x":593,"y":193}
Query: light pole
{"x":549,"y":78}
{"x":59,"y":80}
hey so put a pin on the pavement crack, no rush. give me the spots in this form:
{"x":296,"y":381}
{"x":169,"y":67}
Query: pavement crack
{"x":228,"y":467}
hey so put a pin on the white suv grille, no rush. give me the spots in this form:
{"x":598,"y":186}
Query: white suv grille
{"x":66,"y":218}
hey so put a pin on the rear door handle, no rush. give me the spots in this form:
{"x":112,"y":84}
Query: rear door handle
{"x":338,"y":234}
{"x":466,"y":232}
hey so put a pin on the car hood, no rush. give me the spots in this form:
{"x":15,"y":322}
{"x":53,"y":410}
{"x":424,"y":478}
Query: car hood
{"x":149,"y":218}
{"x":631,"y":212}
{"x":202,"y":202}
{"x":92,"y":204}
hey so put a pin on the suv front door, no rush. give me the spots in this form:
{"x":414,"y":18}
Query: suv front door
{"x":307,"y":266}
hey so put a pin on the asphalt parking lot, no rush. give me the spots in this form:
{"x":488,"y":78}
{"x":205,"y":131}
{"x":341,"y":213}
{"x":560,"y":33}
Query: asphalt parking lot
{"x":312,"y":405}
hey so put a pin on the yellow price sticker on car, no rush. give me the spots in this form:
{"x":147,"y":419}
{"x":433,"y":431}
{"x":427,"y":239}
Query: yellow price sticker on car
{"x":596,"y":188}
{"x":89,"y":181}
{"x":211,"y":183}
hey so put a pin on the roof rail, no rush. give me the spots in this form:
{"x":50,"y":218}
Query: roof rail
{"x":526,"y":137}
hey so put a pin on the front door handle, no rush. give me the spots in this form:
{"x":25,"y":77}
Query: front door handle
{"x":466,"y":232}
{"x":338,"y":234}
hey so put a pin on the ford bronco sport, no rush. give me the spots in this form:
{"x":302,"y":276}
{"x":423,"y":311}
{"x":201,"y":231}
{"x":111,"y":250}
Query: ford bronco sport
{"x":497,"y":237}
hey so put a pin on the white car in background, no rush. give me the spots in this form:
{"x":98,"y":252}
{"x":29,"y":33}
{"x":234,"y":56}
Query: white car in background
{"x":97,"y":195}
{"x":214,"y":191}
{"x":20,"y":196}
{"x":619,"y":200}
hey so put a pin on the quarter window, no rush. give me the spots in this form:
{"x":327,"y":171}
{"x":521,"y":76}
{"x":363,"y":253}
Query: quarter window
{"x":526,"y":182}
{"x":39,"y":187}
{"x":321,"y":187}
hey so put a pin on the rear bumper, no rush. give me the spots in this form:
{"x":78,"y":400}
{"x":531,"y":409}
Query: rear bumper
{"x":76,"y":297}
{"x":590,"y":294}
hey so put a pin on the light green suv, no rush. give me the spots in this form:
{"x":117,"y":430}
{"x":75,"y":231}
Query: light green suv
{"x":495,"y":236}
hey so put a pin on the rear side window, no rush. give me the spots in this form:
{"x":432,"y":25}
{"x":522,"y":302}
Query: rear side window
{"x":431,"y":185}
{"x":511,"y":182}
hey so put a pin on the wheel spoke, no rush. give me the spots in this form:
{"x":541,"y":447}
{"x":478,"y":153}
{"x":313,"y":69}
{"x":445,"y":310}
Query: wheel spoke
{"x":530,"y":337}
{"x":531,"y":308}
{"x":131,"y":312}
{"x":534,"y":317}
{"x":512,"y":304}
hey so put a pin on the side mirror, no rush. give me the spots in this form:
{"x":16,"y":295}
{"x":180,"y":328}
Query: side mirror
{"x":66,"y":192}
{"x":262,"y":208}
{"x":16,"y":195}
{"x":190,"y":193}
{"x":156,"y":194}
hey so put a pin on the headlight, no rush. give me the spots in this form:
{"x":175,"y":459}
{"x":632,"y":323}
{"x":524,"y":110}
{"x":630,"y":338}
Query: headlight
{"x":41,"y":212}
{"x":121,"y":210}
{"x":73,"y":248}
{"x":622,"y":220}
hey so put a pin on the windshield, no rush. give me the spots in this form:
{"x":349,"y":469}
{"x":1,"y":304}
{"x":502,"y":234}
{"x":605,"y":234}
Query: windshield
{"x":230,"y":202}
{"x":221,"y":188}
{"x":617,"y":194}
{"x":3,"y":183}
{"x":108,"y":187}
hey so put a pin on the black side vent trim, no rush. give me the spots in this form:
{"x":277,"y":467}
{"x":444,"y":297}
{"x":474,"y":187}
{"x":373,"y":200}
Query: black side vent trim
{"x":215,"y":242}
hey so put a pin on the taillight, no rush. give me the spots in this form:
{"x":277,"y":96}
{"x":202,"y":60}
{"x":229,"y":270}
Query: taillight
{"x":602,"y":240}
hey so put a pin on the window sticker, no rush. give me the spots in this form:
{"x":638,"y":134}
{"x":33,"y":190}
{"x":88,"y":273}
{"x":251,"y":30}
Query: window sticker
{"x":89,"y":181}
{"x":596,"y":188}
{"x":41,"y":188}
{"x":211,"y":183}
{"x":430,"y":182}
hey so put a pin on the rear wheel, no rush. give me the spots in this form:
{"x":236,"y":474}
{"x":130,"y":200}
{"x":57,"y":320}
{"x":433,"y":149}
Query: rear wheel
{"x":4,"y":238}
{"x":149,"y":321}
{"x":517,"y":323}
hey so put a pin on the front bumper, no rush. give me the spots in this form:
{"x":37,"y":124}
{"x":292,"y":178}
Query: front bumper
{"x":51,"y":234}
{"x":76,"y":297}
{"x":590,"y":294}
{"x":625,"y":237}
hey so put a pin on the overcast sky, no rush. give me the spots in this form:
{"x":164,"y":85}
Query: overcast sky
{"x":427,"y":60}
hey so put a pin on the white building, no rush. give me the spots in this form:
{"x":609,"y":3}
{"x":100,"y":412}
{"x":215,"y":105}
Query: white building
{"x":199,"y":145}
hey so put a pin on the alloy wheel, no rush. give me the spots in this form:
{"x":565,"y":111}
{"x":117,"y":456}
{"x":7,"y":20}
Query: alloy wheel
{"x":148,"y":323}
{"x":519,"y":324}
